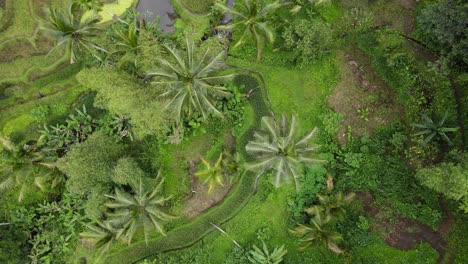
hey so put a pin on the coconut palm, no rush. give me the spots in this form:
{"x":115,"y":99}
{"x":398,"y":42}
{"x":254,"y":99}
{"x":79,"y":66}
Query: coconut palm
{"x":212,"y":174}
{"x":192,"y":81}
{"x":20,"y":166}
{"x":334,"y":205}
{"x":264,"y":256}
{"x":102,"y":233}
{"x":252,"y":18}
{"x":73,"y":31}
{"x":320,"y":231}
{"x":431,"y":129}
{"x":141,"y":209}
{"x":279,"y":147}
{"x":127,"y":42}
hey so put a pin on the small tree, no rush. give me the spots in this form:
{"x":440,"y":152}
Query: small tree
{"x":212,"y":174}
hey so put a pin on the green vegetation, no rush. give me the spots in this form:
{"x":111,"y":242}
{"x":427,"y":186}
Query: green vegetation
{"x":166,"y":147}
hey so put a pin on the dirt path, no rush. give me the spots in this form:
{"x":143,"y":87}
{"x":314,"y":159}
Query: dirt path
{"x":362,"y":98}
{"x":406,"y":234}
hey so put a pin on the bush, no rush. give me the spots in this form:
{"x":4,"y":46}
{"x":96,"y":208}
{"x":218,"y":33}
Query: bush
{"x":309,"y":40}
{"x":449,"y":179}
{"x":443,"y":27}
{"x":89,"y":164}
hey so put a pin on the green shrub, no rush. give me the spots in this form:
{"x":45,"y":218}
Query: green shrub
{"x":309,"y":40}
{"x":198,"y":6}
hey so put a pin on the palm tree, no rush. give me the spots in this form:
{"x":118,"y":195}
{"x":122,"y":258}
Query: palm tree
{"x":334,"y":205}
{"x":102,"y":233}
{"x":21,"y":165}
{"x":279,"y":147}
{"x":142,"y":209}
{"x":264,"y":256}
{"x":127,"y":42}
{"x":212,"y":175}
{"x":192,"y":81}
{"x":432,"y":129}
{"x":73,"y":31}
{"x":320,"y":231}
{"x":251,"y":17}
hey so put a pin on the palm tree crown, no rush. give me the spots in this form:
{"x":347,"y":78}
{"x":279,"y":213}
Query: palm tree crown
{"x":320,"y":231}
{"x":432,"y":129}
{"x":192,"y":81}
{"x":212,"y":174}
{"x":72,"y":31}
{"x":278,"y":147}
{"x":251,"y":16}
{"x":19,"y":166}
{"x":143,"y":209}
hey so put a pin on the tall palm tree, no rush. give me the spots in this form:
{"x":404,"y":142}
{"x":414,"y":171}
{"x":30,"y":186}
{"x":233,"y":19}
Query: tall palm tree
{"x":127,"y":42}
{"x":192,"y":81}
{"x":431,"y":129}
{"x":251,"y":17}
{"x":102,"y":233}
{"x":319,"y":232}
{"x":73,"y":31}
{"x":142,"y":209}
{"x":212,"y":174}
{"x":280,"y":148}
{"x":264,"y":256}
{"x":21,"y":166}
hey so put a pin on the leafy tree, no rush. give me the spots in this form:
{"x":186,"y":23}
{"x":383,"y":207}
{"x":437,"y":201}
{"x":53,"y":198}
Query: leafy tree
{"x":280,"y":148}
{"x":89,"y":164}
{"x":264,"y":256}
{"x":141,"y":209}
{"x":94,"y":5}
{"x":448,"y":178}
{"x":57,"y":140}
{"x":192,"y":81}
{"x":127,"y":172}
{"x":252,"y":18}
{"x":53,"y":229}
{"x":442,"y":25}
{"x":212,"y":174}
{"x":131,"y":100}
{"x":431,"y":129}
{"x":309,"y":40}
{"x":73,"y":31}
{"x":320,"y":231}
{"x":22,"y":167}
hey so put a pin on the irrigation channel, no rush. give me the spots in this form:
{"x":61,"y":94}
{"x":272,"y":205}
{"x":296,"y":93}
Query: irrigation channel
{"x":152,"y":9}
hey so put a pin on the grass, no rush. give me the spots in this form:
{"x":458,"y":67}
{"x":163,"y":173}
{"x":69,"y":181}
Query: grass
{"x":198,"y":6}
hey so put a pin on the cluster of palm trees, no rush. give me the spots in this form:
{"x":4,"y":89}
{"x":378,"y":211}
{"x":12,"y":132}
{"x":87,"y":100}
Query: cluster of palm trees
{"x":323,"y":218}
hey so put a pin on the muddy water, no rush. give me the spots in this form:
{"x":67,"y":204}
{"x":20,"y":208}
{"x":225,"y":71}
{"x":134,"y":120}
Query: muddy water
{"x":151,"y":9}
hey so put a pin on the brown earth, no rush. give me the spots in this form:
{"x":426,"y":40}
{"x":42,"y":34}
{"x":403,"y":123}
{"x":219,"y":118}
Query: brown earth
{"x":406,"y":234}
{"x":199,"y":200}
{"x":361,"y":90}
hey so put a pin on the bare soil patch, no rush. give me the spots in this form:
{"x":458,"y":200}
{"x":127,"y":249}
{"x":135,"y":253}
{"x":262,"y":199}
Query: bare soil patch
{"x":406,"y":234}
{"x":199,"y":200}
{"x":364,"y":100}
